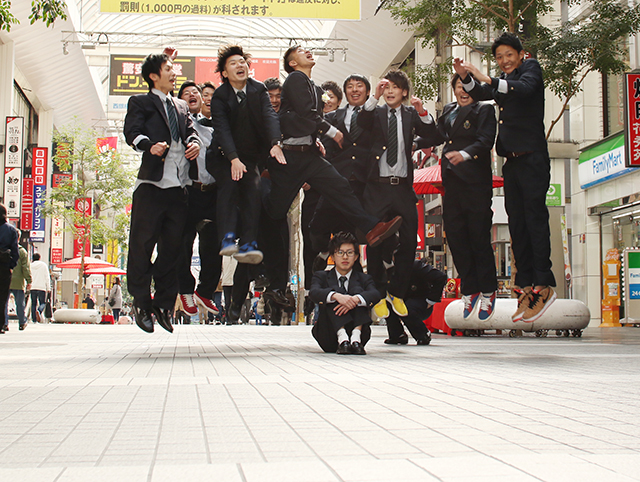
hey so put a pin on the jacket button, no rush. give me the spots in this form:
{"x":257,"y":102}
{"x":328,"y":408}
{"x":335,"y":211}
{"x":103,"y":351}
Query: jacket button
{"x":355,"y":144}
{"x":511,"y":88}
{"x":450,"y":142}
{"x":500,"y":121}
{"x":354,"y":158}
{"x":384,"y":147}
{"x":378,"y":158}
{"x":501,"y":109}
{"x":475,"y":157}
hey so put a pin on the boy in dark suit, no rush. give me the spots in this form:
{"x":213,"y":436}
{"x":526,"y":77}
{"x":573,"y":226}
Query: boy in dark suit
{"x":245,"y":131}
{"x":519,"y":93}
{"x":389,"y":189}
{"x":160,"y":127}
{"x":468,"y":130}
{"x":302,"y":123}
{"x":345,"y":297}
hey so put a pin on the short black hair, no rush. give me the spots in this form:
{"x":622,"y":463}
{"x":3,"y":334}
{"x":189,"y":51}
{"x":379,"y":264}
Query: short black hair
{"x":507,"y":38}
{"x":36,"y":256}
{"x":401,"y":79}
{"x":287,"y":68}
{"x":359,"y":78}
{"x":228,"y":51}
{"x":188,"y":83}
{"x":333,"y":87}
{"x":456,"y":77}
{"x":207,"y":85}
{"x":153,"y":65}
{"x":273,"y":83}
{"x":343,"y":237}
{"x":3,"y":214}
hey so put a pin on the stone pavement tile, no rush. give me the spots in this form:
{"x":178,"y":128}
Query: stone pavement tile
{"x":622,"y":465}
{"x":562,"y":467}
{"x":469,"y":467}
{"x":49,"y":474}
{"x":213,"y":472}
{"x":374,"y":470}
{"x":104,"y":474}
{"x":288,"y":471}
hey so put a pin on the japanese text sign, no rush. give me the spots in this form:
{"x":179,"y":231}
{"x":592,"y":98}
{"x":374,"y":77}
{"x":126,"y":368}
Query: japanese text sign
{"x":315,"y":9}
{"x":632,"y":119}
{"x":14,"y":140}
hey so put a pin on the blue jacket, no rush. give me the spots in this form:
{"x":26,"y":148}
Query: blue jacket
{"x":9,"y":240}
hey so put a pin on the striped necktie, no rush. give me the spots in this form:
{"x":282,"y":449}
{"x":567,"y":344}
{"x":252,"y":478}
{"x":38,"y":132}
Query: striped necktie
{"x":242,"y":98}
{"x":392,"y":145}
{"x":173,"y":120}
{"x":354,"y":129}
{"x":342,"y":282}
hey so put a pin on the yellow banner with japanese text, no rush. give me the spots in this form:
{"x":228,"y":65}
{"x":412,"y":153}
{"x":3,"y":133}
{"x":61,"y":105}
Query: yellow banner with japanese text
{"x":316,"y":9}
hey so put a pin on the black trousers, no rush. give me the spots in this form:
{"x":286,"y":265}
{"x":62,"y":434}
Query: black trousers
{"x":309,"y":248}
{"x":467,"y":217}
{"x":327,"y":219}
{"x":419,"y":311}
{"x":5,"y":282}
{"x":526,"y":182}
{"x":386,"y":201}
{"x":157,"y":218}
{"x":238,"y":199}
{"x":201,"y":219}
{"x":326,"y":328}
{"x":310,"y":167}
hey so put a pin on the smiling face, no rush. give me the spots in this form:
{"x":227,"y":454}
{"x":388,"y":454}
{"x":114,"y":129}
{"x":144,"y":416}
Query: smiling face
{"x":345,"y":263}
{"x":332,"y":104}
{"x":166,"y":80}
{"x":236,"y":69}
{"x":462,"y":96}
{"x":301,"y":59}
{"x":508,"y":58}
{"x":191,"y":95}
{"x":207,"y":93}
{"x":275,"y":98}
{"x":356,"y":92}
{"x":394,"y":95}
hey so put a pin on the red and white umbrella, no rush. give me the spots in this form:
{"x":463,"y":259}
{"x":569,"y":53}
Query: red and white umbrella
{"x":106,"y":270}
{"x":88,"y":263}
{"x":428,"y":180}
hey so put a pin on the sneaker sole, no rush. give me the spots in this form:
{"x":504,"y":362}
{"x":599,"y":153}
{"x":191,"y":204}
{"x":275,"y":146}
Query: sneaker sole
{"x":229,"y":251}
{"x":393,"y":229}
{"x":543,"y":310}
{"x":202,"y":303}
{"x":248,"y":258}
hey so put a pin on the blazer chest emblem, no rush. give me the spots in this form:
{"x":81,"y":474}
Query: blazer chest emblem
{"x":467,"y":124}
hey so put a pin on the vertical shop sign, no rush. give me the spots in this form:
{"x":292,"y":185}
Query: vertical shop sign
{"x":83,"y":209}
{"x":39,"y":174}
{"x":421,"y":226}
{"x":26,"y":220}
{"x":14,"y":140}
{"x":12,"y":185}
{"x":633,"y":273}
{"x":57,"y":240}
{"x":632,"y":119}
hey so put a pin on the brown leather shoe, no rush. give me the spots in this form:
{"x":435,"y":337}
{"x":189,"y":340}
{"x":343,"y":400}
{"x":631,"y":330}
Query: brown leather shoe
{"x":382,"y":231}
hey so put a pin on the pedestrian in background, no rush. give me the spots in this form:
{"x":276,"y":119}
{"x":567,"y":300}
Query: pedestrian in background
{"x":21,"y":274}
{"x":9,"y":256}
{"x":115,"y":299}
{"x":40,"y":287}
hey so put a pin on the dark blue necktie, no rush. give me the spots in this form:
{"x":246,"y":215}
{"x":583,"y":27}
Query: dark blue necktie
{"x":354,"y":129}
{"x":173,"y":120}
{"x":242,"y":98}
{"x":392,"y":147}
{"x":454,"y":114}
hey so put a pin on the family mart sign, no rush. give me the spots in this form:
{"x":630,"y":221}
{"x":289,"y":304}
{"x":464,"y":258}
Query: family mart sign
{"x":603,"y":161}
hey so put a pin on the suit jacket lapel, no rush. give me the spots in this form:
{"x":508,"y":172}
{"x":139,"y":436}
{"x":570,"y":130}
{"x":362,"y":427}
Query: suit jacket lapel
{"x":383,"y":116}
{"x":462,"y":115}
{"x":406,"y":130}
{"x":160,"y":106}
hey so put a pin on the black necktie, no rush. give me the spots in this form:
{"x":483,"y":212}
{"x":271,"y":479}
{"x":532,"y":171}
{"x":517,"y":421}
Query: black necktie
{"x":354,"y":129}
{"x":342,"y":281}
{"x":454,"y":115}
{"x":392,"y":147}
{"x":173,"y":120}
{"x":243,"y":98}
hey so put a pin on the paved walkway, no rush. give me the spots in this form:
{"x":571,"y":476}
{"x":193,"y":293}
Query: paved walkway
{"x":259,"y":404}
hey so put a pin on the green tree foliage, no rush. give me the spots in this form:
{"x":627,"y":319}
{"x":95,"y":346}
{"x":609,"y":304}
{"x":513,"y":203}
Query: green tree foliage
{"x":48,"y":11}
{"x":595,"y":41}
{"x":97,"y":175}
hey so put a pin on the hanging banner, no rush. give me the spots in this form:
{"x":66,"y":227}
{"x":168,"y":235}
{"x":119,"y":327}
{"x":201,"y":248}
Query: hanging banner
{"x":632,"y":119}
{"x":57,"y":240}
{"x":313,"y":9}
{"x":26,"y":220}
{"x":39,"y":197}
{"x":83,"y":208}
{"x":106,"y":144}
{"x":421,"y":246}
{"x":12,"y":188}
{"x":14,"y":140}
{"x":39,"y":169}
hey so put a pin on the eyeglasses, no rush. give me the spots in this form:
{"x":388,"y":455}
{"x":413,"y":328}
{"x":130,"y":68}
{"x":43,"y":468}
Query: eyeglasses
{"x":349,"y":253}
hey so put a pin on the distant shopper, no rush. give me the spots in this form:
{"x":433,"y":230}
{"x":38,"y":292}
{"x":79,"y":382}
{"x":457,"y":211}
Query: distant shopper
{"x":40,"y":287}
{"x":89,"y":302}
{"x":115,"y":299}
{"x":21,"y":275}
{"x":9,"y":256}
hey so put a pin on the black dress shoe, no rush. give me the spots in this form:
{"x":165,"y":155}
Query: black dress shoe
{"x":344,"y":348}
{"x":163,"y":316}
{"x":22,"y":327}
{"x":401,"y":340}
{"x":261,"y":282}
{"x":357,"y":348}
{"x":144,"y":319}
{"x":424,"y":341}
{"x":233,"y":314}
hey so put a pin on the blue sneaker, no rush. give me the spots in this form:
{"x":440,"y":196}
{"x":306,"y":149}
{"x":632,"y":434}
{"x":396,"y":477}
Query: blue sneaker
{"x":228,"y":246}
{"x":249,"y":254}
{"x":470,"y":302}
{"x":487,"y":306}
